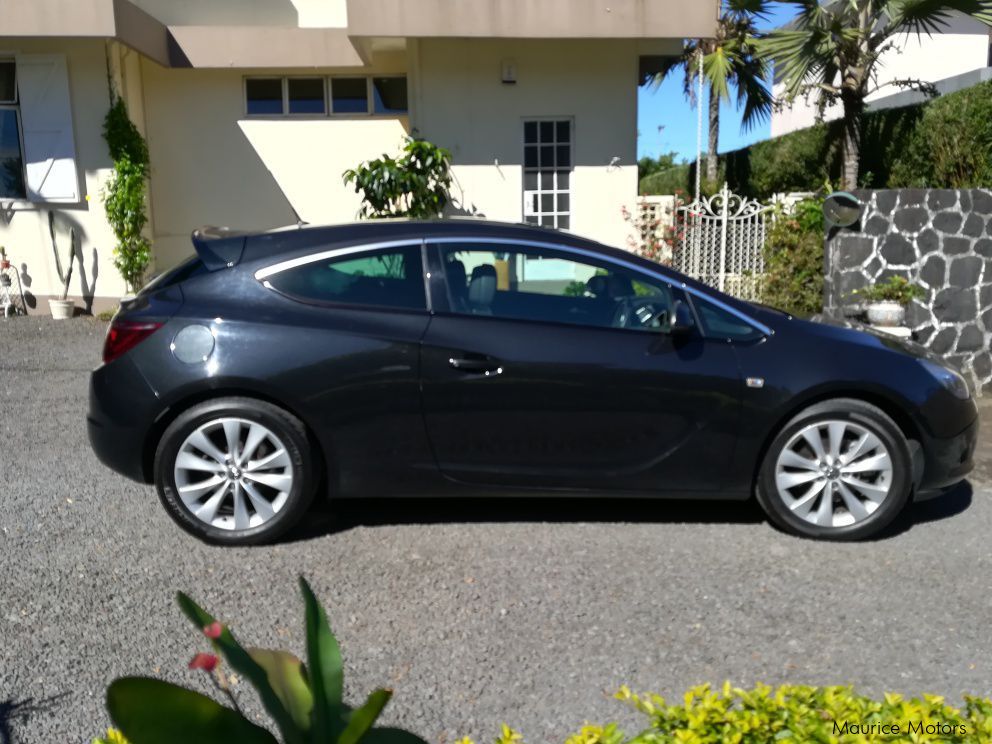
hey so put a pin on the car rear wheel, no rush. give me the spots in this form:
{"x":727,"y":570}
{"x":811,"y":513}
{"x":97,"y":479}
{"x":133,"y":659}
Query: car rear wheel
{"x":235,"y":471}
{"x":840,"y":470}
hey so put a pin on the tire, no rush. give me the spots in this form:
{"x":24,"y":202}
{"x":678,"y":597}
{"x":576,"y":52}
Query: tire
{"x":867,"y":474}
{"x":249,"y":499}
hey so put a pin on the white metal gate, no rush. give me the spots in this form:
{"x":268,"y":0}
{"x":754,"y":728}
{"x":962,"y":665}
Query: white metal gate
{"x":721,"y":241}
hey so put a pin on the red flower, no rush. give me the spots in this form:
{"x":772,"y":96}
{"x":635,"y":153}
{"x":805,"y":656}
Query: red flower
{"x":213,"y":630}
{"x":206,"y":662}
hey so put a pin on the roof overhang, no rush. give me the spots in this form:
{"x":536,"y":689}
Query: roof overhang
{"x":180,"y":46}
{"x":107,"y":19}
{"x":535,"y":19}
{"x":261,"y":46}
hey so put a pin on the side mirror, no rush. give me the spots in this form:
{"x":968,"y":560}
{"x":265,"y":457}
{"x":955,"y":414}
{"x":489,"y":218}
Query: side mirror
{"x":682,"y":321}
{"x":841,"y":209}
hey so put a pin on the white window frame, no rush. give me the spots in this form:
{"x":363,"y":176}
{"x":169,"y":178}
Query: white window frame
{"x":369,"y":104}
{"x":329,"y":112}
{"x":283,"y":88}
{"x":532,"y":198}
{"x":285,"y":96}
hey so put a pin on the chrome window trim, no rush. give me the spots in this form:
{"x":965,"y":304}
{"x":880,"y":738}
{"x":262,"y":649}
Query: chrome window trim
{"x":293,"y":263}
{"x":264,"y":273}
{"x":756,"y":324}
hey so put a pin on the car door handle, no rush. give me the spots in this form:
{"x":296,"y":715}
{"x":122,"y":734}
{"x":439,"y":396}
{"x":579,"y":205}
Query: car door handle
{"x":477,"y":365}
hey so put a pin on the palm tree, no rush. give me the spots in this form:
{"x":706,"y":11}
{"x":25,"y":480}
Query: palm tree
{"x":730,"y":60}
{"x":832,"y":50}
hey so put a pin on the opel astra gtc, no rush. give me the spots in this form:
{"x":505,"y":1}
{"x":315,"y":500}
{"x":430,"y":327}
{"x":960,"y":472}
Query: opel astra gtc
{"x":459,"y":358}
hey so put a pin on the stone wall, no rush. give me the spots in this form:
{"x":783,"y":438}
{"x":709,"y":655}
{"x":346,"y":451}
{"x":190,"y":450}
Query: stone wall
{"x":938,"y":238}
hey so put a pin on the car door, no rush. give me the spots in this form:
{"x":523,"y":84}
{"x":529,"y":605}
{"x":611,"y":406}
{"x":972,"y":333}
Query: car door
{"x":352,"y":320}
{"x":552,"y":367}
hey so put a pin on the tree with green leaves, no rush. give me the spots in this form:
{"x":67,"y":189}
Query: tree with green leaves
{"x":417,"y":184}
{"x":833,"y":50}
{"x":731,"y":61}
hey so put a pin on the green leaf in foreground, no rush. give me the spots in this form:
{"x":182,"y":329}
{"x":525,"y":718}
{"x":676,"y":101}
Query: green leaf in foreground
{"x":151,"y":711}
{"x":289,"y":683}
{"x":326,"y":669}
{"x":363,"y":719}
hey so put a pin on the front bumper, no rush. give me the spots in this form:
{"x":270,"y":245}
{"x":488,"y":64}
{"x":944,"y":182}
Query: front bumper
{"x":122,"y":409}
{"x":946,"y":462}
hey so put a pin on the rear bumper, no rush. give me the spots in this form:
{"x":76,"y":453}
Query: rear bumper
{"x":122,"y":409}
{"x":946,"y":462}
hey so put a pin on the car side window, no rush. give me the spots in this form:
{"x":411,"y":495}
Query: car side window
{"x":381,"y":278}
{"x":719,"y":324}
{"x":507,"y":280}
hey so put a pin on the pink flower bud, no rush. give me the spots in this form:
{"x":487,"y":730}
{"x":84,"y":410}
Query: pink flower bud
{"x":213,"y":630}
{"x":206,"y":662}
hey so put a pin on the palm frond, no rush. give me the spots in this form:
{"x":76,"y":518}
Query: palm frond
{"x":930,"y":16}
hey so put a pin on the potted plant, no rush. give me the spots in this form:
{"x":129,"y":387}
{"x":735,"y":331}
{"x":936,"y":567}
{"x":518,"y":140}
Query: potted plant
{"x":64,"y":308}
{"x":886,"y":301}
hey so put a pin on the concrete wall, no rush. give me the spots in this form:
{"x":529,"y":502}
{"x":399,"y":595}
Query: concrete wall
{"x":319,"y":13}
{"x":460,"y":102}
{"x":940,"y":239}
{"x":25,"y":226}
{"x":961,"y":47}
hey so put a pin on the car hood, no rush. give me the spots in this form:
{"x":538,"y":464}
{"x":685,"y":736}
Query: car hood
{"x":848,"y":331}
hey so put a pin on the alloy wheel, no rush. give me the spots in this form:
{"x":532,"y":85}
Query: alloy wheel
{"x":834,"y":473}
{"x":233,"y":474}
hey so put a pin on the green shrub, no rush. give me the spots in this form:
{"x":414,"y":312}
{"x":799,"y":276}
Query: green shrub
{"x":944,"y":143}
{"x":416,"y":185}
{"x":793,"y":279}
{"x":798,"y":161}
{"x":952,"y":145}
{"x":125,"y":194}
{"x":894,"y":289}
{"x":791,"y":713}
{"x":668,"y":181}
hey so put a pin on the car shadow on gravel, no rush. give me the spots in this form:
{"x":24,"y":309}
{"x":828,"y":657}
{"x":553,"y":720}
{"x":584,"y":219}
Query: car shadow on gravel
{"x":346,"y":515}
{"x":948,"y":505}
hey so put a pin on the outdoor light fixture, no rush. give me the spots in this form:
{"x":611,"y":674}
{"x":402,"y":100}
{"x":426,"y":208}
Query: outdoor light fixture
{"x":509,"y":71}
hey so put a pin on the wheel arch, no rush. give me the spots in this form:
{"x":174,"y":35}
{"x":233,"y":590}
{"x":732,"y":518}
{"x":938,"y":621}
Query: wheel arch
{"x":230,"y":390}
{"x":909,"y":428}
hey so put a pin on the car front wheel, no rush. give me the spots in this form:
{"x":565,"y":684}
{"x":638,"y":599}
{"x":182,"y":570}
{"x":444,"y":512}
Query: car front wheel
{"x":840,"y":470}
{"x":234,"y":471}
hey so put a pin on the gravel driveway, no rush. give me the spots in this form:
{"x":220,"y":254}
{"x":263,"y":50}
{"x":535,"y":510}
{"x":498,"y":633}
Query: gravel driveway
{"x":529,"y":612}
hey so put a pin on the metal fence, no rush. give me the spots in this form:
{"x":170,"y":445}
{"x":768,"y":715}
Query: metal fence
{"x":720,"y":242}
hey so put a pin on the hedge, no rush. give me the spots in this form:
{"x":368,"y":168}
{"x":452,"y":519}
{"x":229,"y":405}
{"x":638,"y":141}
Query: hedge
{"x":790,"y":714}
{"x":943,"y":143}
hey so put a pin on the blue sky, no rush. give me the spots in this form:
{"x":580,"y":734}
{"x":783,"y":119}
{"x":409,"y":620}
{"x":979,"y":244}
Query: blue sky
{"x":666,"y":107}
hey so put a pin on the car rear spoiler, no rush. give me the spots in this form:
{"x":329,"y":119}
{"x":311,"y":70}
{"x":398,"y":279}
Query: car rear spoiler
{"x":219,"y":247}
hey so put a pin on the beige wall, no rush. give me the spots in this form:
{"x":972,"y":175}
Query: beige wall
{"x":212,"y":165}
{"x":461,"y":103}
{"x":24,"y":227}
{"x":204,"y":171}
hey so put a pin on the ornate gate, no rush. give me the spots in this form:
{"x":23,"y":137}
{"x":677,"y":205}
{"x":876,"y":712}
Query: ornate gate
{"x":721,"y":241}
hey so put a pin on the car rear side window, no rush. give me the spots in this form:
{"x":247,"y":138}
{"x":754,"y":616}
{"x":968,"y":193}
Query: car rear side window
{"x":382,"y":278}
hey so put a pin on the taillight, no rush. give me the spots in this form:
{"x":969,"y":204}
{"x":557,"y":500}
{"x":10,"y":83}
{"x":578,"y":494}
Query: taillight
{"x":124,"y":335}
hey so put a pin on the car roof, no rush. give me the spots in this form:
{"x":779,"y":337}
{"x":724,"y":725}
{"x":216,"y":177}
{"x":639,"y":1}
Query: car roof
{"x":243,"y":247}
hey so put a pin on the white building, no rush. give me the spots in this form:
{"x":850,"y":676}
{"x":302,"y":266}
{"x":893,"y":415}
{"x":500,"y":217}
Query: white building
{"x":952,"y":59}
{"x":253,"y":109}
